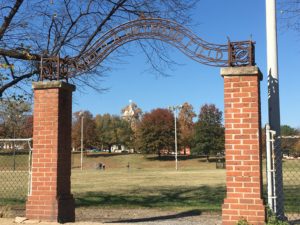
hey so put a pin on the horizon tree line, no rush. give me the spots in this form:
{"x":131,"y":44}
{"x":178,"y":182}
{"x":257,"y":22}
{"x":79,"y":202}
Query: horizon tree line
{"x":144,"y":132}
{"x":153,"y":131}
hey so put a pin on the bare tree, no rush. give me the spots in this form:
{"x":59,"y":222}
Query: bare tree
{"x":290,"y":14}
{"x":67,"y":28}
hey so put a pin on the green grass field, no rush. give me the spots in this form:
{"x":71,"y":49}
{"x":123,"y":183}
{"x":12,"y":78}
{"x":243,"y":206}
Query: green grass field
{"x":150,"y":182}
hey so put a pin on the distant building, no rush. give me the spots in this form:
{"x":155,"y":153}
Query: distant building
{"x":186,"y":151}
{"x":120,"y":149}
{"x":132,"y":113}
{"x":128,"y":112}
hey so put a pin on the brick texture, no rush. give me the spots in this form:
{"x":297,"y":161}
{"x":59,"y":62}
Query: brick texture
{"x":50,"y":198}
{"x":243,"y":149}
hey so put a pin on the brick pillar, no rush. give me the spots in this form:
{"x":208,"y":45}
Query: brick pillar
{"x":51,"y":198}
{"x":243,"y":146}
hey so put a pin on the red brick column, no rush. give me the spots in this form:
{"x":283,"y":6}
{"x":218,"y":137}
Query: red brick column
{"x":50,"y":198}
{"x":243,"y":146}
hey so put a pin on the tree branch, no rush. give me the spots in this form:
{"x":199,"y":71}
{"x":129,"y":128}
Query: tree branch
{"x":25,"y":55}
{"x":15,"y":81}
{"x":73,"y":23}
{"x":10,"y":66}
{"x":99,"y":28}
{"x":8,"y":19}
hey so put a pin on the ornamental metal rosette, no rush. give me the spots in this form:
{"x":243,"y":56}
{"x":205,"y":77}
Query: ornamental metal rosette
{"x":231,"y":54}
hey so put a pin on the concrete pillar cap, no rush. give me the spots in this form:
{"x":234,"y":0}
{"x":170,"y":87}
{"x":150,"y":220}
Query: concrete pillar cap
{"x":53,"y":84}
{"x":241,"y":71}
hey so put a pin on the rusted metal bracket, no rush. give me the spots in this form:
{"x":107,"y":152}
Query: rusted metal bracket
{"x":241,"y":53}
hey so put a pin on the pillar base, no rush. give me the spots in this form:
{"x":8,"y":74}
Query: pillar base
{"x":66,"y":209}
{"x":60,"y":209}
{"x":251,"y":210}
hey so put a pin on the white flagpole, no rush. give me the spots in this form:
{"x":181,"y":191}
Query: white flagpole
{"x":273,"y":102}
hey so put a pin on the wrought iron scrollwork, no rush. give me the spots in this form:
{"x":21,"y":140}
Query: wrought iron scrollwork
{"x":231,"y":54}
{"x":241,"y":53}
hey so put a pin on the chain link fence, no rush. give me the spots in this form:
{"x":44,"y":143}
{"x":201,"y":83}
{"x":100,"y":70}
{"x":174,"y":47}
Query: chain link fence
{"x":291,"y":179}
{"x":283,"y":176}
{"x":15,"y":170}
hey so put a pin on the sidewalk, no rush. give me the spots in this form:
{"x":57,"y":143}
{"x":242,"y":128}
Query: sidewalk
{"x":205,"y":220}
{"x":10,"y":221}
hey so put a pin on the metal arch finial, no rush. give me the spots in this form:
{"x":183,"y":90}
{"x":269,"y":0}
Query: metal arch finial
{"x":142,"y":15}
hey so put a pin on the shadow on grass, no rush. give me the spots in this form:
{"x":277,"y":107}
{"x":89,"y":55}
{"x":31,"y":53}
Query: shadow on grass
{"x":294,"y":222}
{"x":12,"y":201}
{"x":104,"y":155}
{"x":189,"y":213}
{"x":205,"y":198}
{"x":171,"y":157}
{"x":200,"y":158}
{"x":292,"y":199}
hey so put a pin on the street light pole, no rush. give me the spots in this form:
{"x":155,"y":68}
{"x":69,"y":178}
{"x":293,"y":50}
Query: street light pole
{"x":176,"y":161}
{"x":81,"y":140}
{"x":272,"y":63}
{"x":174,"y":109}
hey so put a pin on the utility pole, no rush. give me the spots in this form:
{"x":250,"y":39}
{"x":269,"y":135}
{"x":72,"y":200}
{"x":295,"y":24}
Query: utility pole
{"x":174,"y":109}
{"x":81,"y":141}
{"x":273,"y":103}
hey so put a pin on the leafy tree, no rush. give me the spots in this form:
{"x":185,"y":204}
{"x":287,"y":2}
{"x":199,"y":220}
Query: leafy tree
{"x":296,"y":151}
{"x":288,"y":144}
{"x":89,"y":137}
{"x":186,"y":125}
{"x":209,"y":131}
{"x":27,"y":128}
{"x":15,"y":118}
{"x":67,"y":28}
{"x":102,"y":128}
{"x":112,"y":130}
{"x":156,"y":131}
{"x":287,"y":130}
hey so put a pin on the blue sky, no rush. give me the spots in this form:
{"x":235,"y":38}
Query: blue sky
{"x":196,"y":83}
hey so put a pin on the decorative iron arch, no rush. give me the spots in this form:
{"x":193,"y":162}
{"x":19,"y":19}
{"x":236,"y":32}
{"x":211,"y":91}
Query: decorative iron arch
{"x":220,"y":55}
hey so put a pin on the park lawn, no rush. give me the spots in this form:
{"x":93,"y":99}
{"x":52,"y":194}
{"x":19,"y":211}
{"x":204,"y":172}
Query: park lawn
{"x":152,"y":189}
{"x":149,"y":182}
{"x":140,"y":161}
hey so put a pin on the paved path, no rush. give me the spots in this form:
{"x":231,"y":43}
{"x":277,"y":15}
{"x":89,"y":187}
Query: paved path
{"x":203,"y":219}
{"x":102,"y":216}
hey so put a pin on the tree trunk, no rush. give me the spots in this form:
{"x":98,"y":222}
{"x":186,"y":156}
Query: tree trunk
{"x":207,"y":157}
